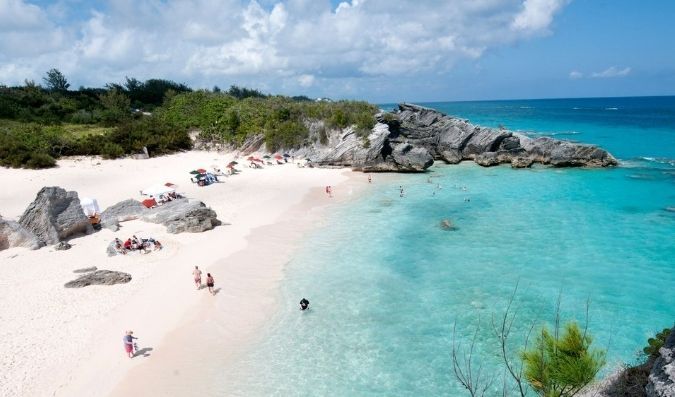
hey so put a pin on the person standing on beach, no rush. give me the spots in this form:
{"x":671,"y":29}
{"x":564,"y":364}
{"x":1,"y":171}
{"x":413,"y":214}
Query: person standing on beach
{"x":198,"y":277}
{"x":329,"y":191}
{"x":370,"y":179}
{"x":129,"y":343}
{"x":210,"y":282}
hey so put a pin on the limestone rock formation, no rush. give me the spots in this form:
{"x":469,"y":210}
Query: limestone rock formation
{"x":55,"y":215}
{"x":184,"y":215}
{"x":376,"y":152}
{"x":123,"y":211}
{"x":12,"y":234}
{"x":99,"y":277}
{"x":662,"y":377}
{"x":452,"y":140}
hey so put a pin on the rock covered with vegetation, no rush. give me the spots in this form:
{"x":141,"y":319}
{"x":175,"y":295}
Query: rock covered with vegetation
{"x":453,"y":140}
{"x":55,"y":215}
{"x":661,"y":381}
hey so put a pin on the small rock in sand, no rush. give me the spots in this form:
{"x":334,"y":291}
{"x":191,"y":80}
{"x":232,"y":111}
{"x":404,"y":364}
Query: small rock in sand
{"x":99,"y":277}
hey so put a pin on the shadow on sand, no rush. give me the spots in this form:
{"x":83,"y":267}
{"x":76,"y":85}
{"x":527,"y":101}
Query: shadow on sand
{"x":145,"y":352}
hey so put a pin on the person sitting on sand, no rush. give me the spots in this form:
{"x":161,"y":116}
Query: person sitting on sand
{"x":158,"y":245}
{"x":304,"y":304}
{"x":129,"y":343}
{"x":210,"y":282}
{"x":197,"y":277}
{"x":127,"y":245}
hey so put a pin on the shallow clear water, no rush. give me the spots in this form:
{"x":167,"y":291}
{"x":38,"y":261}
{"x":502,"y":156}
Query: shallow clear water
{"x":386,"y":283}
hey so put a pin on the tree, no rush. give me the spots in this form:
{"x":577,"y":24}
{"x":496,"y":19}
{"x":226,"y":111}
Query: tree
{"x":117,"y":106}
{"x":562,"y":365}
{"x":56,"y":81}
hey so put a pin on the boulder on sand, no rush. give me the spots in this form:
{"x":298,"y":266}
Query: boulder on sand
{"x":99,"y":277}
{"x":126,"y":210}
{"x":184,"y":215}
{"x":12,"y":234}
{"x":55,"y":215}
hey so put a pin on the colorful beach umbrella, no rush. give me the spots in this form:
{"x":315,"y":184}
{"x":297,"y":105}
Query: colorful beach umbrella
{"x":267,"y":156}
{"x":250,"y":158}
{"x":278,"y":157}
{"x":195,"y":172}
{"x":201,"y":170}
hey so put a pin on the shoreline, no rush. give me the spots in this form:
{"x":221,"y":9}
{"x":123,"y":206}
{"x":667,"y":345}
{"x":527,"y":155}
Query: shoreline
{"x":61,"y":341}
{"x":207,"y":341}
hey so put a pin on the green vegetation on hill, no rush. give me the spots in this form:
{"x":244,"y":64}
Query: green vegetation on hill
{"x":40,"y":124}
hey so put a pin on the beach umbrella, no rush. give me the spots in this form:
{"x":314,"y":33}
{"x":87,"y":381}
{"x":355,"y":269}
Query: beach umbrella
{"x":287,"y":155}
{"x":278,"y":157}
{"x":258,"y":160}
{"x":171,"y":185}
{"x":233,"y":163}
{"x":267,"y":156}
{"x":250,"y":158}
{"x":195,"y":172}
{"x":308,"y":159}
{"x":230,"y":166}
{"x":201,"y":170}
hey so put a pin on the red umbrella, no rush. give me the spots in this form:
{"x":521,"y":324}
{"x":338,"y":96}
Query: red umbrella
{"x":201,"y":170}
{"x":169,"y":184}
{"x":278,"y":157}
{"x":230,"y":166}
{"x":258,"y":160}
{"x":250,"y":158}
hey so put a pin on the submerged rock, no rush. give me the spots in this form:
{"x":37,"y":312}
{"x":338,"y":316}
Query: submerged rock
{"x":662,"y":377}
{"x":99,"y":277}
{"x":12,"y":234}
{"x":55,"y":215}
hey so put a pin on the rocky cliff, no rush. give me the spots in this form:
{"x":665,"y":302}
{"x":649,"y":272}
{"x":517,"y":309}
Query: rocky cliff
{"x":412,"y":137}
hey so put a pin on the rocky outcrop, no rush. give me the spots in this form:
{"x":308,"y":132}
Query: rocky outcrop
{"x":12,"y":234}
{"x":55,"y":215}
{"x":179,"y":216}
{"x":372,"y":152}
{"x":453,"y":140}
{"x":126,"y":210}
{"x":99,"y":277}
{"x":183,"y":215}
{"x":412,"y":137}
{"x":662,"y":377}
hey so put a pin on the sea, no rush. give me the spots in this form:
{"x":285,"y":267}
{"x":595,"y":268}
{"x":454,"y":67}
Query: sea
{"x":392,"y":293}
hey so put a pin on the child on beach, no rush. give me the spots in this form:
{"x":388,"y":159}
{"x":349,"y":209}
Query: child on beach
{"x":210,"y":282}
{"x":129,"y":343}
{"x":197,"y":277}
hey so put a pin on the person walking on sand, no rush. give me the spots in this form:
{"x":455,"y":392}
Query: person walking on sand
{"x":370,"y":179}
{"x":210,"y":283}
{"x":197,"y":277}
{"x":129,"y":343}
{"x":329,"y":191}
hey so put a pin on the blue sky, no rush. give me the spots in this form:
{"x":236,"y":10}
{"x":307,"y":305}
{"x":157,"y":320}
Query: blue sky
{"x":378,"y":50}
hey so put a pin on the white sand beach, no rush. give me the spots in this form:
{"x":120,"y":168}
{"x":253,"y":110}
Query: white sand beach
{"x":68,"y":342}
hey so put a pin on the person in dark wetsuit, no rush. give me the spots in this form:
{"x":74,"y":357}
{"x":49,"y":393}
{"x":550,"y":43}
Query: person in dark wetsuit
{"x":304,"y":304}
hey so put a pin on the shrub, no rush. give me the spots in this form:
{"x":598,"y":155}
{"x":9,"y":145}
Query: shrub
{"x":40,"y":160}
{"x":561,"y":365}
{"x":112,"y":151}
{"x":655,"y":343}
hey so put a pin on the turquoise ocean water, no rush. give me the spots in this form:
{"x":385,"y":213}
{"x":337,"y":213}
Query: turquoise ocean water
{"x":386,"y":283}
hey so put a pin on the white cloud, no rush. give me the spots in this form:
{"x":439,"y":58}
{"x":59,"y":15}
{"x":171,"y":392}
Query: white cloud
{"x":289,"y":44}
{"x":536,"y":15}
{"x":575,"y":75}
{"x":306,"y":80}
{"x":612,"y":71}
